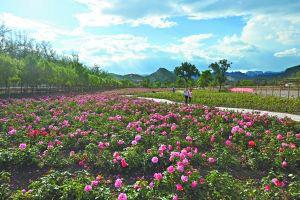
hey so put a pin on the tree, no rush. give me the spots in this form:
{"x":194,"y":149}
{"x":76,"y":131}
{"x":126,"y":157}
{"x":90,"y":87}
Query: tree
{"x":245,"y":82}
{"x":186,"y":71}
{"x":220,"y":68}
{"x":8,"y":71}
{"x":145,"y":83}
{"x":205,"y":79}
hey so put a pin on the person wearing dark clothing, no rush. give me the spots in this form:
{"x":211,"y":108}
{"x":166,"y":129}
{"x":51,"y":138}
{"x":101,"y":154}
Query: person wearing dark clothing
{"x":190,"y":95}
{"x":186,"y":95}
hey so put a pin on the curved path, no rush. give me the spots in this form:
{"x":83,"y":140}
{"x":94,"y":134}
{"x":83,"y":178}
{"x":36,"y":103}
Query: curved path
{"x":241,"y":110}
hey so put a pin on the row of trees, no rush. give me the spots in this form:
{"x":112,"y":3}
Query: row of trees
{"x":27,"y":63}
{"x":189,"y":72}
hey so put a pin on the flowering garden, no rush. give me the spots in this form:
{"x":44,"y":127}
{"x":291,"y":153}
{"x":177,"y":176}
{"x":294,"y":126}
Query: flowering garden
{"x":233,"y":100}
{"x":107,"y":146}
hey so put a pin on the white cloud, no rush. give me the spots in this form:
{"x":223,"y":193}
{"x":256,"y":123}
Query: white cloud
{"x":97,"y":17}
{"x":288,"y":53}
{"x":35,"y":29}
{"x":108,"y":49}
{"x":232,"y":47}
{"x":195,"y":47}
{"x":189,"y":47}
{"x":272,"y":31}
{"x":154,"y":21}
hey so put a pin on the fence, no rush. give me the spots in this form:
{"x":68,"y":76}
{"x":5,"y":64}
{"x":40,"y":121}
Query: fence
{"x":278,"y":91}
{"x":17,"y":91}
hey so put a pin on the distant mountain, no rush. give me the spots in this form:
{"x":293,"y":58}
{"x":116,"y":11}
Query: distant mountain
{"x":289,"y":72}
{"x":254,"y":73}
{"x":292,"y":71}
{"x":235,"y":76}
{"x":162,"y":75}
{"x":134,"y":77}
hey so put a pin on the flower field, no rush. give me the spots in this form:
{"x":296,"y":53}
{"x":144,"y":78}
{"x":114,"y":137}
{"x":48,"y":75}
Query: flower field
{"x":234,"y":100}
{"x":107,"y":146}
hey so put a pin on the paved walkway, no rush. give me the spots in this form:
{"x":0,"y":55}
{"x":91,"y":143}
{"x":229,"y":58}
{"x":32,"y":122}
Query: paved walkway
{"x":241,"y":110}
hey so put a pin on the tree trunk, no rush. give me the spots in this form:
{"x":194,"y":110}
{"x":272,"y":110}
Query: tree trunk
{"x":220,"y":88}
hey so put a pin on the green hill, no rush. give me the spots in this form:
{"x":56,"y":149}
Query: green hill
{"x":163,"y":75}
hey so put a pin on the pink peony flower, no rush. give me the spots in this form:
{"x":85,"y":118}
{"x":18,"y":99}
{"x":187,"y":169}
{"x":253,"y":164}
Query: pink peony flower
{"x":87,"y":188}
{"x":189,"y":138}
{"x":279,"y":137}
{"x":184,"y":178}
{"x":228,"y":142}
{"x":101,"y":145}
{"x":276,"y":182}
{"x":179,"y":187}
{"x":235,"y":129}
{"x":134,"y":142}
{"x":267,"y":188}
{"x":173,"y":127}
{"x":248,"y":134}
{"x":211,"y":160}
{"x":154,"y":160}
{"x":151,"y":185}
{"x":201,"y":181}
{"x":120,"y":142}
{"x":284,"y":164}
{"x":95,"y":183}
{"x":124,"y":163}
{"x":118,"y":183}
{"x":137,"y":138}
{"x":22,"y":146}
{"x":171,"y":169}
{"x":175,"y":197}
{"x":180,"y":168}
{"x":158,"y":176}
{"x":139,"y":129}
{"x":212,"y":139}
{"x":122,"y":196}
{"x":194,"y":184}
{"x":12,"y":132}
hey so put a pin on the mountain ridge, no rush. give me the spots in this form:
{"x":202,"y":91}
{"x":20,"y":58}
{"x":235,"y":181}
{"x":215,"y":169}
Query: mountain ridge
{"x":164,"y":75}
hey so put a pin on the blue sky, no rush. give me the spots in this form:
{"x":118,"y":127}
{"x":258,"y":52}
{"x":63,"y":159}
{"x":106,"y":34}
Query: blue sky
{"x":135,"y":36}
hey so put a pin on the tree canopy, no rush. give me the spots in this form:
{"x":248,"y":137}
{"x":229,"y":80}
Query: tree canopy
{"x":205,"y":78}
{"x":31,"y":63}
{"x":186,"y":71}
{"x":219,"y":69}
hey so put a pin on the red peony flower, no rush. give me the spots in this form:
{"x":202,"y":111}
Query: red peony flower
{"x":251,"y":144}
{"x":124,"y":163}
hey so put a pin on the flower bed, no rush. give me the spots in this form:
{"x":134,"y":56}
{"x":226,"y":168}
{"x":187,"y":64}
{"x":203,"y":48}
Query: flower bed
{"x":107,"y":146}
{"x":242,"y":90}
{"x":234,"y":100}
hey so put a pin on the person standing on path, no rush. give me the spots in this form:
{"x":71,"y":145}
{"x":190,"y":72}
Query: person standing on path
{"x":190,"y":95}
{"x":186,"y":95}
